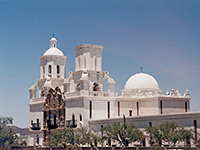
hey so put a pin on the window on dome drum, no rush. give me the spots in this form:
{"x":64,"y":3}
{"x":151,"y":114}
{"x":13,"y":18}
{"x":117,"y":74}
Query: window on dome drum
{"x":90,"y":109}
{"x":137,"y":109}
{"x":186,"y":107}
{"x":118,"y":108}
{"x":161,"y":107}
{"x":108,"y":109}
{"x":49,"y":68}
{"x":130,"y":113}
{"x":58,"y":69}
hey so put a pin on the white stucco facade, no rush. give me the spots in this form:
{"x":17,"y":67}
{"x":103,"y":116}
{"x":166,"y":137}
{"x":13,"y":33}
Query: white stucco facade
{"x":87,"y":103}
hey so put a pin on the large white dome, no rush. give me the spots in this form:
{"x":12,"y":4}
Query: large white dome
{"x":53,"y":50}
{"x":141,"y":81}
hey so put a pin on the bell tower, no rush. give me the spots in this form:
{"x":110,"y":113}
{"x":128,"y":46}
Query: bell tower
{"x":52,"y":76}
{"x":88,"y":57}
{"x":88,"y":78}
{"x":53,"y":62}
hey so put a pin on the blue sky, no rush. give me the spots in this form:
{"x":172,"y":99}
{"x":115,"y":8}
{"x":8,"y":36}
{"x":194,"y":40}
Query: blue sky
{"x":162,"y":36}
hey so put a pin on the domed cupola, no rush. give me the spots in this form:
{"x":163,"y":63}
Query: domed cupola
{"x":53,"y":50}
{"x":141,"y":84}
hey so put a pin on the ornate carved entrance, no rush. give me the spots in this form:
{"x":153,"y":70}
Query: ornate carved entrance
{"x":53,"y":112}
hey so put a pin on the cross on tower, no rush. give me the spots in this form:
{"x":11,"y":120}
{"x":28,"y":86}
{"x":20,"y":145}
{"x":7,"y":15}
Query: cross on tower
{"x":141,"y":69}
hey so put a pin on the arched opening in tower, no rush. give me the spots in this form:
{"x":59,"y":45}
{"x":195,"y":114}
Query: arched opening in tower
{"x":96,"y":87}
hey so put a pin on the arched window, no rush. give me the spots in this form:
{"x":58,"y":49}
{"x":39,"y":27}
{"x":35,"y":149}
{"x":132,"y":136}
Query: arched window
{"x":73,"y":120}
{"x":90,"y":109}
{"x":38,"y":122}
{"x":96,"y":87}
{"x":161,"y":107}
{"x":49,"y":68}
{"x":138,"y":109}
{"x":81,"y":117}
{"x":118,"y":108}
{"x":108,"y":109}
{"x":130,"y":113}
{"x":186,"y":107}
{"x":58,"y":69}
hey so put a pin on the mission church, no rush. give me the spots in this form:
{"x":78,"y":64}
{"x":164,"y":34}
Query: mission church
{"x":57,"y":101}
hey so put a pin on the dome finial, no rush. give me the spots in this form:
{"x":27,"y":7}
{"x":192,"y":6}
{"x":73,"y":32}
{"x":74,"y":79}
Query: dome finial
{"x":53,"y":41}
{"x":141,"y":68}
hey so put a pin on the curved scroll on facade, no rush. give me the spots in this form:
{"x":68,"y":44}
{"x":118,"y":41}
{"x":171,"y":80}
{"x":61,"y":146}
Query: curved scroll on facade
{"x":53,"y":111}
